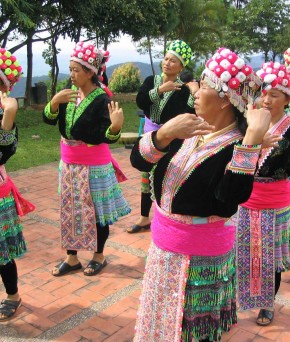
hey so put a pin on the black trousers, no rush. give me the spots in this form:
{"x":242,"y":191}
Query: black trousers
{"x":146,"y":204}
{"x":9,"y":277}
{"x":103,"y":234}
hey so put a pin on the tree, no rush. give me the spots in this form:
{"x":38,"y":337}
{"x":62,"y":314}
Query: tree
{"x":125,"y":79}
{"x":260,"y":26}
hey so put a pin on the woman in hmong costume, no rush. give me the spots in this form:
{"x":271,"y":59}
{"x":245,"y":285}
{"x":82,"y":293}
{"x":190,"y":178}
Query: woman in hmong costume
{"x":189,"y":285}
{"x":12,"y":243}
{"x":162,"y":97}
{"x":264,"y":220}
{"x":91,"y":198}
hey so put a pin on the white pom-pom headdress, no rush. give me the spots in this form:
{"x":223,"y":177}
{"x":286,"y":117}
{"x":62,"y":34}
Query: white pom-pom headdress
{"x":228,"y":73}
{"x":276,"y":76}
{"x":87,"y":55}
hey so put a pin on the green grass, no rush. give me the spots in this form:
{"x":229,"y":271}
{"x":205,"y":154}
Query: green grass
{"x":39,"y":143}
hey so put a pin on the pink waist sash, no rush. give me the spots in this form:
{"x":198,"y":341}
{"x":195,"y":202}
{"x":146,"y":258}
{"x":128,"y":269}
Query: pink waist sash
{"x":209,"y":239}
{"x":23,"y":206}
{"x":83,"y":154}
{"x":272,"y":195}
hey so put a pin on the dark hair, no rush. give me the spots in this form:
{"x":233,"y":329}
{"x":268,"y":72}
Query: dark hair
{"x":241,"y":120}
{"x":186,"y":76}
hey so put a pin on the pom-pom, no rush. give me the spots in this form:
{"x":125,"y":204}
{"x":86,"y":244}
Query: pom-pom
{"x":232,"y":69}
{"x":218,"y":70}
{"x":239,"y":63}
{"x":225,"y":63}
{"x":234,"y":83}
{"x":225,"y":76}
{"x":269,"y":78}
{"x":241,"y":76}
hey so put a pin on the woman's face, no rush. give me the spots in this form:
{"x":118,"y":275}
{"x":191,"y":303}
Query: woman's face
{"x":206,"y":102}
{"x":79,"y":76}
{"x":275,"y":100}
{"x":171,"y":65}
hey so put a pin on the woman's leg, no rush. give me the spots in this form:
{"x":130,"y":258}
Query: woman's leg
{"x":9,"y":276}
{"x":71,"y":263}
{"x":144,"y":220}
{"x":265,"y":317}
{"x":98,"y":261}
{"x":277,"y":281}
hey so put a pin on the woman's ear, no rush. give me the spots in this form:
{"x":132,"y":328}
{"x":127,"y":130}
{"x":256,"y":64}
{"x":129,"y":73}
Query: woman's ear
{"x":225,"y":102}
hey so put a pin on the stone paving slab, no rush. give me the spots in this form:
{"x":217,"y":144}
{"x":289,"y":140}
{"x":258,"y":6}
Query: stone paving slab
{"x":75,"y":308}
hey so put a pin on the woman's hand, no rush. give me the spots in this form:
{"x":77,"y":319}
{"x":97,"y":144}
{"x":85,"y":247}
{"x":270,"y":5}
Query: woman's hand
{"x":271,"y":140}
{"x":64,"y":96}
{"x":183,"y":126}
{"x":116,"y":116}
{"x":258,"y":124}
{"x":193,"y":87}
{"x":169,"y":86}
{"x":10,"y":106}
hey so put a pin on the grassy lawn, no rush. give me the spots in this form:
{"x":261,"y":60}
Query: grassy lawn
{"x":39,"y":143}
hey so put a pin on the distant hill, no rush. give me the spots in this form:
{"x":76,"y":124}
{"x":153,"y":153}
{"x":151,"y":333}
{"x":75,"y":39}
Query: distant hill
{"x":19,"y":89}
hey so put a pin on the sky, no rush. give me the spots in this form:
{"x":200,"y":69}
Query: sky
{"x":121,"y":52}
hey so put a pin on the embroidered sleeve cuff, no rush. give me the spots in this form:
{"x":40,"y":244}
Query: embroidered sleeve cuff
{"x":147,"y":149}
{"x":48,"y":114}
{"x":7,"y":137}
{"x":245,"y":158}
{"x":111,"y":136}
{"x":153,"y":94}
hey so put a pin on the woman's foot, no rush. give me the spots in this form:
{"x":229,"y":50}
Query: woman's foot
{"x":9,"y":306}
{"x":71,"y":263}
{"x":95,"y":266}
{"x":265,"y":317}
{"x":142,"y":224}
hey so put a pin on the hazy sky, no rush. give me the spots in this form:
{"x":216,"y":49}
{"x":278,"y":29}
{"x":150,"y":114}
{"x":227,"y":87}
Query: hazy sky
{"x":121,"y":52}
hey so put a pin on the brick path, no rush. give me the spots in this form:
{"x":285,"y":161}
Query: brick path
{"x":75,"y":308}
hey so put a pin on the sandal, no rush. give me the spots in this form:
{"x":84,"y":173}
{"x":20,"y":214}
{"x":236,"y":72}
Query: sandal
{"x":8,"y":308}
{"x":64,"y":268}
{"x":265,"y":317}
{"x":95,"y":266}
{"x":136,"y":228}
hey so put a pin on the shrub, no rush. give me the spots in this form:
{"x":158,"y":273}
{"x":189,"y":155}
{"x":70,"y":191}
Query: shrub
{"x":125,"y":79}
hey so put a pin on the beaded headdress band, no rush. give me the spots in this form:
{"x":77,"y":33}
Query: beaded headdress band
{"x":10,"y":69}
{"x":181,"y":50}
{"x":87,"y":55}
{"x":228,"y":73}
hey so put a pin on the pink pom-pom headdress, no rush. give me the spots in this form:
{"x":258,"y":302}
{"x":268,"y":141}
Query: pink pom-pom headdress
{"x":10,"y":69}
{"x":228,"y":73}
{"x":275,"y":75}
{"x":87,"y":55}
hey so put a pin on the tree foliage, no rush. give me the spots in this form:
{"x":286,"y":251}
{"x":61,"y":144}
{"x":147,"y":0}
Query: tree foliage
{"x":125,"y":79}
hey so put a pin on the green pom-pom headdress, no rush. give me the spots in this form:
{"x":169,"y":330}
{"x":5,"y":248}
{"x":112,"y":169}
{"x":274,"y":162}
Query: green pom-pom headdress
{"x":181,"y":50}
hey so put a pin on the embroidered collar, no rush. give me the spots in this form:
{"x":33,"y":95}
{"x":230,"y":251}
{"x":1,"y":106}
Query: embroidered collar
{"x":73,"y":112}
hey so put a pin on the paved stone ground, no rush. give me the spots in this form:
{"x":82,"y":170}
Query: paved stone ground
{"x":76,"y":308}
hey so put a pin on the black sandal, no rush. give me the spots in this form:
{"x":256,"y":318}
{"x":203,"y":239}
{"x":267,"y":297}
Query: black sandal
{"x":95,"y":266}
{"x":8,"y":308}
{"x":265,"y":314}
{"x":136,"y":228}
{"x":64,"y":268}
